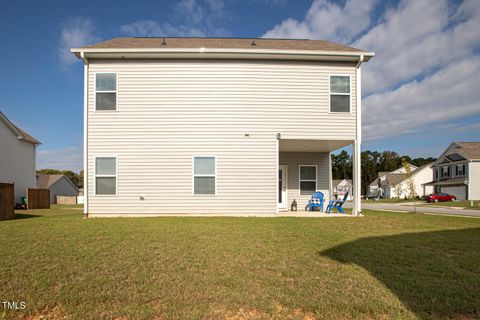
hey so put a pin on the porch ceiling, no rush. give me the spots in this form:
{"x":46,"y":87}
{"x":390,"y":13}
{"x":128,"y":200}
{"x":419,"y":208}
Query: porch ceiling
{"x":296,"y":145}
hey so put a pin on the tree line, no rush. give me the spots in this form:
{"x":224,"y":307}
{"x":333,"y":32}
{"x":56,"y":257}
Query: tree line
{"x":76,"y":178}
{"x":373,"y":162}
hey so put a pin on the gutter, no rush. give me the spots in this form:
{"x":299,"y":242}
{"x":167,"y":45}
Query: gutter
{"x":353,"y":56}
{"x":360,"y":60}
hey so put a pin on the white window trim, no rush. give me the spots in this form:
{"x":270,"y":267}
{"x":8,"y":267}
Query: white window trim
{"x":300,"y":179}
{"x":339,"y":94}
{"x":109,"y":91}
{"x":104,"y":175}
{"x":203,"y":175}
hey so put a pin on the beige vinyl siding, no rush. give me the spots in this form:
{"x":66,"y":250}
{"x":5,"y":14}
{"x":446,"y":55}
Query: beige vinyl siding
{"x":171,"y":110}
{"x":294,"y":160}
{"x":473,"y":169}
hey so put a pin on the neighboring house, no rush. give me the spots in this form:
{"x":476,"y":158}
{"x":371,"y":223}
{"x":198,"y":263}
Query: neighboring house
{"x":216,"y":126}
{"x":340,"y":187}
{"x":17,"y":157}
{"x":58,"y":184}
{"x":396,"y":184}
{"x":457,"y":171}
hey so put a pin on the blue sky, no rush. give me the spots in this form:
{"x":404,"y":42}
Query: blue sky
{"x":421,"y":91}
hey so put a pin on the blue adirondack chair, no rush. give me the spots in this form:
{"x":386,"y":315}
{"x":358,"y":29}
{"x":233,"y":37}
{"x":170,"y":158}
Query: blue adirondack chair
{"x":316,"y":202}
{"x":337,"y":204}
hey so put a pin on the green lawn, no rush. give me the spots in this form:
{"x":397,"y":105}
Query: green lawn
{"x":380,"y":266}
{"x":465,"y":204}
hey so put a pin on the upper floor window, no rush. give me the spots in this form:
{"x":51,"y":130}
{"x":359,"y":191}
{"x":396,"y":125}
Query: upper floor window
{"x":204,"y":175}
{"x":340,"y":94}
{"x":460,"y":170}
{"x":105,"y":91}
{"x":445,"y":171}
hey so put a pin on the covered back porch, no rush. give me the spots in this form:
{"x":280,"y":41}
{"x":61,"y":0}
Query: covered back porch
{"x":304,"y":166}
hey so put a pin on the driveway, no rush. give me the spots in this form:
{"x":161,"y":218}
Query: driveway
{"x":423,"y":209}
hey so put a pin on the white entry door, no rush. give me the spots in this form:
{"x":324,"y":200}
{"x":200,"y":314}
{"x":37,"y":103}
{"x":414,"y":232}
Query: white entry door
{"x":282,"y":187}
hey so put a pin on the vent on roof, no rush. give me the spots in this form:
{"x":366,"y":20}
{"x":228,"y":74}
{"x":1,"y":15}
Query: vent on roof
{"x":253,"y":43}
{"x":164,"y":43}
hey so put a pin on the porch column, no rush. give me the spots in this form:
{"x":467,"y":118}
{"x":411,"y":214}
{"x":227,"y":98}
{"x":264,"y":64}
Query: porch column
{"x":357,"y":144}
{"x":357,"y":203}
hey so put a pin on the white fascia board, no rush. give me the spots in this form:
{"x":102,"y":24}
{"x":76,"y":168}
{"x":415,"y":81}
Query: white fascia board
{"x":221,"y":53}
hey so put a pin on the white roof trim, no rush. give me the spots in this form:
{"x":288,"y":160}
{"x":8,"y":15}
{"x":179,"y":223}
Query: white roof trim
{"x":10,"y":125}
{"x":219,"y":53}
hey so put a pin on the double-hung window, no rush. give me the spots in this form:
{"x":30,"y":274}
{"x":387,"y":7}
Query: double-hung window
{"x":105,"y":91}
{"x":460,"y":170}
{"x":308,"y":179}
{"x":445,"y":171}
{"x":340,"y":93}
{"x":105,"y":175}
{"x":204,"y":175}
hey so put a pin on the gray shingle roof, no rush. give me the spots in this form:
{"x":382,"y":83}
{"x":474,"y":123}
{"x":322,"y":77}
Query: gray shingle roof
{"x":224,"y":43}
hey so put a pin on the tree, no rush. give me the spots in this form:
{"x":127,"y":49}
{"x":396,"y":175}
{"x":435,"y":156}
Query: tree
{"x":412,"y":194}
{"x":342,"y":166}
{"x":373,"y":162}
{"x":389,"y":161}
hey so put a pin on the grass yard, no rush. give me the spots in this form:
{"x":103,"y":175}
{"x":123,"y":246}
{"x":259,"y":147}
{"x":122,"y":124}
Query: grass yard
{"x":381,"y":266}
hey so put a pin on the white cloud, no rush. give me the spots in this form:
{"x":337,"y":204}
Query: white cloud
{"x":149,"y":28}
{"x":70,"y":158}
{"x":444,"y":96}
{"x":417,"y":38}
{"x":327,"y":20}
{"x":198,"y":19}
{"x":190,"y":10}
{"x":75,"y":33}
{"x":426,"y":69}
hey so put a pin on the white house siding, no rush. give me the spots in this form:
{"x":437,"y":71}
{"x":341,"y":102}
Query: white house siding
{"x":171,"y":110}
{"x":62,"y":188}
{"x":474,"y":180}
{"x":421,"y":177}
{"x":17,"y":162}
{"x":294,"y":160}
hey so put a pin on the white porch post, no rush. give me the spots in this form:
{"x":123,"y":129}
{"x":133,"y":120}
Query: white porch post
{"x":85,"y":134}
{"x":357,"y":203}
{"x":357,"y":144}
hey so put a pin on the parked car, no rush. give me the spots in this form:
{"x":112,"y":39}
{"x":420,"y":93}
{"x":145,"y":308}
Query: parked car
{"x":439,"y":197}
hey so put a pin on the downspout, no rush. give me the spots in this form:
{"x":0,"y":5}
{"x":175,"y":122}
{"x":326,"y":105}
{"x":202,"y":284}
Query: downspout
{"x":357,"y":148}
{"x":85,"y":134}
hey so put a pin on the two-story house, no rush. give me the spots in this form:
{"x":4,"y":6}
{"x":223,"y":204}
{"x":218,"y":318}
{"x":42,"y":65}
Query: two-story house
{"x":457,"y":171}
{"x":215,"y":125}
{"x":398,"y":183}
{"x":17,"y":157}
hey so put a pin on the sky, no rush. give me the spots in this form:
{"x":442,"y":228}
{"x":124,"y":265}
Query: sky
{"x":420,"y":92}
